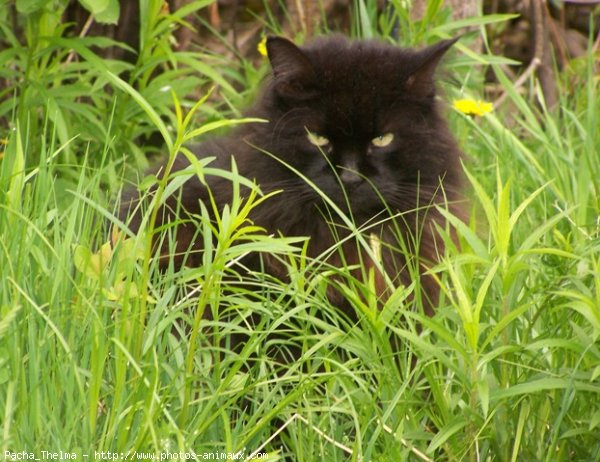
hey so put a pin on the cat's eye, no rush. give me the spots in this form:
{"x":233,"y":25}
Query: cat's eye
{"x":317,"y":140}
{"x":382,"y":141}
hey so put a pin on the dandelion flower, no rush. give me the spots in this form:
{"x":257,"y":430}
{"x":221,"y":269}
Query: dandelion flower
{"x":262,"y":47}
{"x":3,"y":141}
{"x":473,"y":107}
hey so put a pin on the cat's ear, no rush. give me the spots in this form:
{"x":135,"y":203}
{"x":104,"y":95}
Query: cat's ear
{"x":293,"y":73}
{"x":420,"y":82}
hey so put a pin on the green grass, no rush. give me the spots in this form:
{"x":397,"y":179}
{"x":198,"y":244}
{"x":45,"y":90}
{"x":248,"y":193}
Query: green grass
{"x":508,"y":369}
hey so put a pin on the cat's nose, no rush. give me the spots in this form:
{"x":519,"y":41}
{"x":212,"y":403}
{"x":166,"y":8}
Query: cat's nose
{"x":349,"y":170}
{"x":350,"y":177}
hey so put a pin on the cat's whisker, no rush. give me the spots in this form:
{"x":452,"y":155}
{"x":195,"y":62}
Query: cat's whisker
{"x":286,"y":120}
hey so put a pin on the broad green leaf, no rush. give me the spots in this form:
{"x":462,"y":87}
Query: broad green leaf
{"x":30,"y":6}
{"x":110,"y":15}
{"x":94,"y":6}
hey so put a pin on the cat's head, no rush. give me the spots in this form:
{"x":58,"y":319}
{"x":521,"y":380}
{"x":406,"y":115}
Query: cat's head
{"x":359,"y":119}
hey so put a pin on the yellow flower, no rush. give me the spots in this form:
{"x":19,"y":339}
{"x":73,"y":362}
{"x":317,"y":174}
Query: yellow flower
{"x":472,"y":107}
{"x":262,"y":47}
{"x":3,"y":141}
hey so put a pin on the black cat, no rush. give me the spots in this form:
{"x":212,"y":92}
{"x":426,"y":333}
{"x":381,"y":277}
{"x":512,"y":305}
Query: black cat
{"x":357,"y":122}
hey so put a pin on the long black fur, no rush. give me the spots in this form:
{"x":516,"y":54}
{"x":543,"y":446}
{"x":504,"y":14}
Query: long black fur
{"x":350,"y":92}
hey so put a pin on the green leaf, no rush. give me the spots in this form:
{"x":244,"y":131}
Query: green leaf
{"x":513,"y":314}
{"x":483,"y":291}
{"x":365,"y":21}
{"x":585,"y":306}
{"x":118,"y":82}
{"x":195,"y":61}
{"x":467,"y":233}
{"x":539,"y":386}
{"x":210,"y":126}
{"x":175,"y":184}
{"x":503,"y":230}
{"x":483,"y":388}
{"x":81,"y":258}
{"x":29,"y":6}
{"x":94,"y":6}
{"x":6,"y":317}
{"x":16,"y":155}
{"x":446,"y":432}
{"x":110,"y":15}
{"x":104,"y":11}
{"x":452,"y":26}
{"x":92,"y":264}
{"x":148,"y":182}
{"x":485,"y":201}
{"x":595,"y":420}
